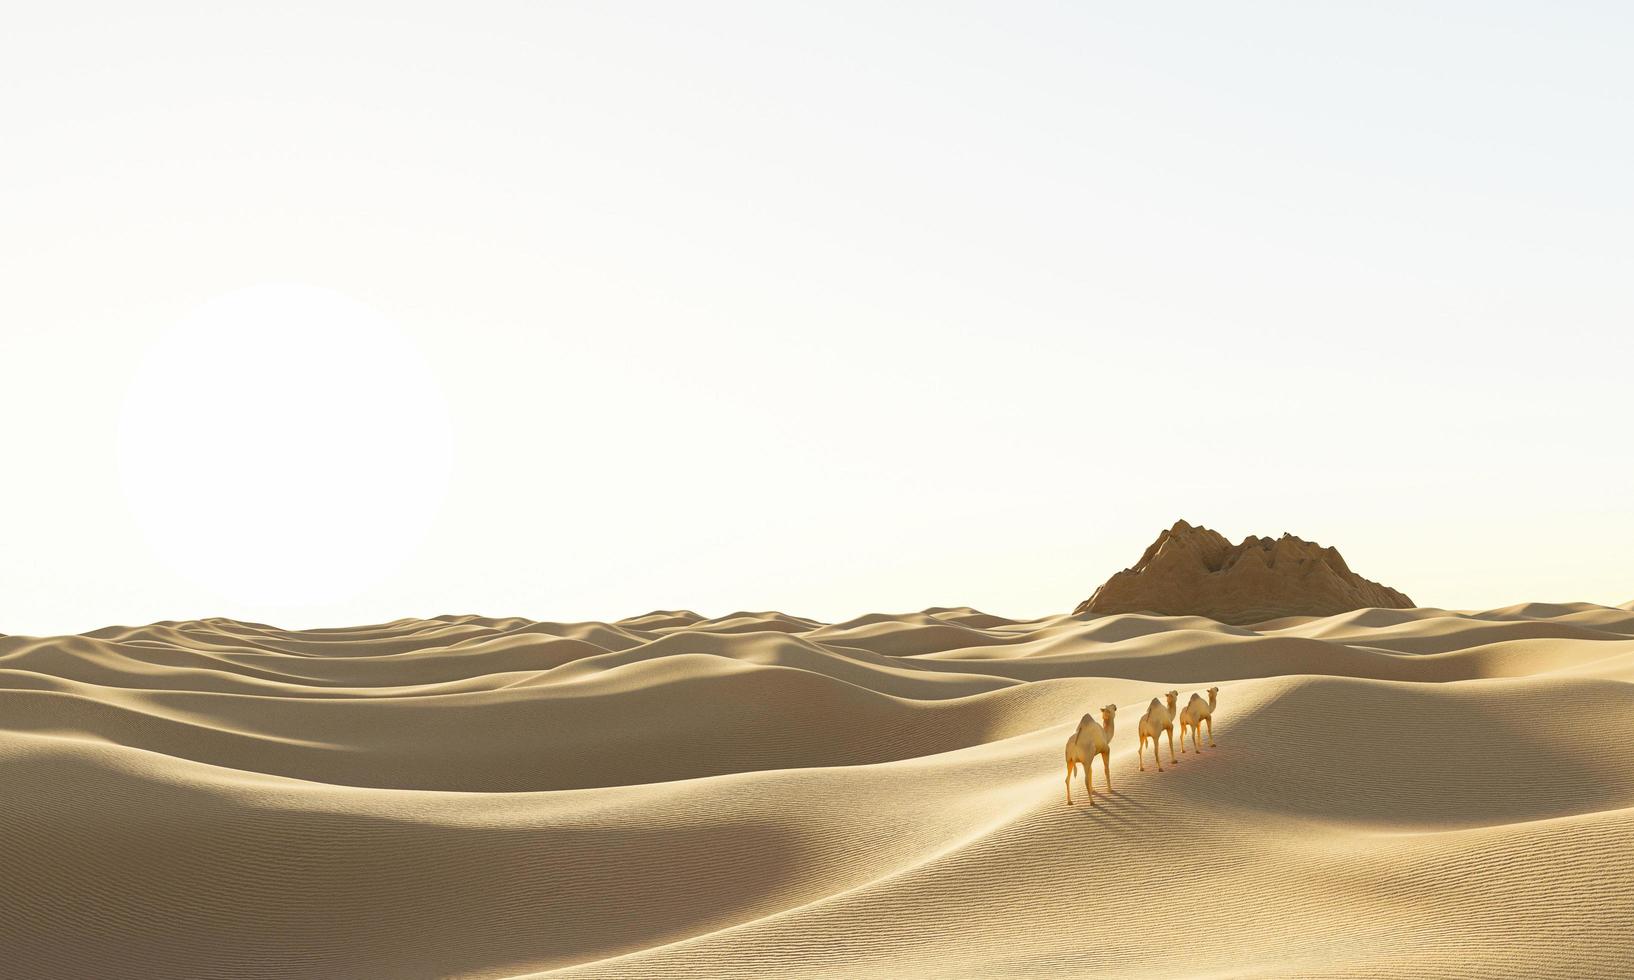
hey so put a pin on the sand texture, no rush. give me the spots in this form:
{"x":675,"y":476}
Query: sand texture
{"x":1194,"y":571}
{"x":1394,"y":792}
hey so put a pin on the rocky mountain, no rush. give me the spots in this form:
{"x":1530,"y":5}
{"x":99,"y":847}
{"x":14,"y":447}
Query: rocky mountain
{"x":1193,"y":571}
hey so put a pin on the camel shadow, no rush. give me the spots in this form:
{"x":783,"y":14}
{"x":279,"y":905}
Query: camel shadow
{"x":1125,"y":800}
{"x":1107,"y":809}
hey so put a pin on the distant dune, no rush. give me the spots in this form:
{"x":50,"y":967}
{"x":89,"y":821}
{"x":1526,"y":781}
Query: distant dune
{"x":1395,"y":792}
{"x":1193,"y":571}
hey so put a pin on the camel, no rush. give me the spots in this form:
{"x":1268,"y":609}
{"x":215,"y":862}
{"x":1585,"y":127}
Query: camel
{"x":1158,"y":719}
{"x":1195,"y":714}
{"x":1089,"y":741}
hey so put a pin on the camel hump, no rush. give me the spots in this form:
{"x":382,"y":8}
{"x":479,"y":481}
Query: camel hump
{"x":1155,"y":704}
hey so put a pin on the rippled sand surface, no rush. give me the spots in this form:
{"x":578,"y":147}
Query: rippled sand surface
{"x":1404,"y":792}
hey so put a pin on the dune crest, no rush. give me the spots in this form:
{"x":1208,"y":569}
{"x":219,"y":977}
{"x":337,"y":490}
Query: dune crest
{"x":759,"y":794}
{"x":1195,"y":571}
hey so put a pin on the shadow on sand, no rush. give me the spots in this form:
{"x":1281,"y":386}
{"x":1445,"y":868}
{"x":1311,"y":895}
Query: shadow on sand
{"x":1115,"y":809}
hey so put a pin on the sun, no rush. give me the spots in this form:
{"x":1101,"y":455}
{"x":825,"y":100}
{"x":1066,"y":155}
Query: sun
{"x":285,"y":445}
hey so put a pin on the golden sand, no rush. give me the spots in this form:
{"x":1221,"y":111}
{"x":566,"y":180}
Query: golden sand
{"x":1402,"y":792}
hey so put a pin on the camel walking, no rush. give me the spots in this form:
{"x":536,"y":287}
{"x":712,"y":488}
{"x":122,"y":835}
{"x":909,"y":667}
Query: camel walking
{"x":1158,"y":719}
{"x":1089,"y":741}
{"x":1195,"y":714}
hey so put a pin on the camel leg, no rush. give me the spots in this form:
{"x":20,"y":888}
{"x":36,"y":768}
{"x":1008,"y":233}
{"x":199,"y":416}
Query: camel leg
{"x":1173,"y":759}
{"x":1069,"y":784}
{"x":1182,"y":736}
{"x":1089,"y":779}
{"x":1157,"y":753}
{"x":1140,"y":753}
{"x":1106,"y":764}
{"x":1210,"y":730}
{"x":1196,"y":728}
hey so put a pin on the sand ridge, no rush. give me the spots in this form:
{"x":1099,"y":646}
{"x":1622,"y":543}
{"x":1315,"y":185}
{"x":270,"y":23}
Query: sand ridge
{"x":1395,"y":792}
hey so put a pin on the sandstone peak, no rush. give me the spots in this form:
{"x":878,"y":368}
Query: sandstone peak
{"x":1194,"y":571}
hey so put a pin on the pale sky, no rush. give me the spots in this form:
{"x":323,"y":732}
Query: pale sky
{"x":325,"y":313}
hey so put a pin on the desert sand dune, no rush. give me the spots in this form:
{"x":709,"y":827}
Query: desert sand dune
{"x":660,"y":618}
{"x":1393,"y":792}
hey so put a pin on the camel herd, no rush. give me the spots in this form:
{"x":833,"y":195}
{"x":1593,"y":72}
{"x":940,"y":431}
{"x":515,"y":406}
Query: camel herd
{"x":1095,"y":738}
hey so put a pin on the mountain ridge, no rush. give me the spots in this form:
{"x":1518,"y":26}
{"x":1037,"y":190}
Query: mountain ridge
{"x":1195,"y":571}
